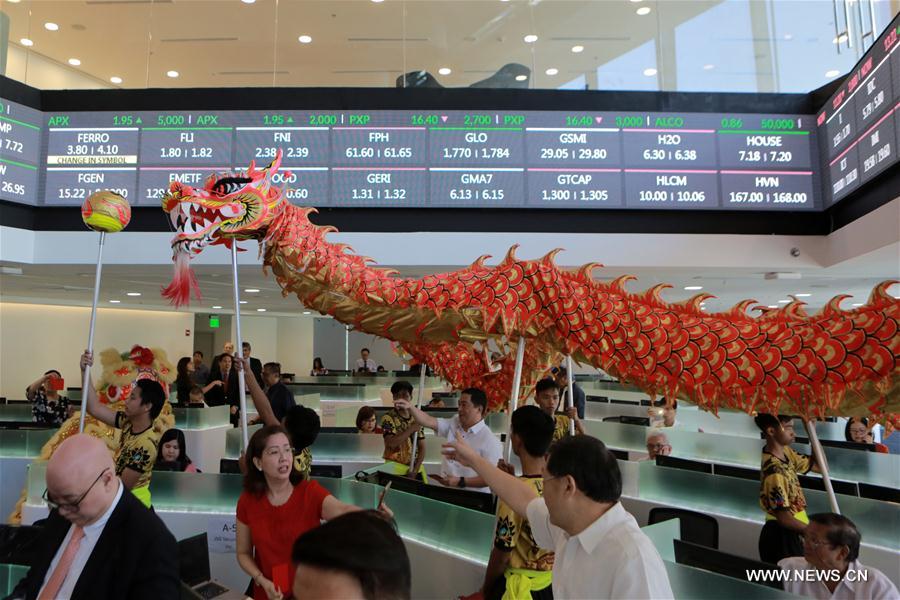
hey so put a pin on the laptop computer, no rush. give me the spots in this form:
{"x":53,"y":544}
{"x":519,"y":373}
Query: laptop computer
{"x":193,"y":569}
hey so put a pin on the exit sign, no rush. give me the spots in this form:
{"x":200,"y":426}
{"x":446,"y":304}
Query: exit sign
{"x":213,"y":321}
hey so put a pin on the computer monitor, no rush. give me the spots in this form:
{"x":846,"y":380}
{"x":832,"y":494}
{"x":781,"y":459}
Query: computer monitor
{"x":229,"y":466}
{"x":683,"y":463}
{"x":620,"y":454}
{"x":878,"y":492}
{"x":629,"y":420}
{"x":479,"y":501}
{"x":333,"y":471}
{"x":730,"y":565}
{"x":811,"y":482}
{"x":193,"y":560}
{"x":739,"y":472}
{"x":401,"y":483}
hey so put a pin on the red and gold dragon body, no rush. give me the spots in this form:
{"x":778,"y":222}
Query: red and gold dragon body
{"x":837,"y":362}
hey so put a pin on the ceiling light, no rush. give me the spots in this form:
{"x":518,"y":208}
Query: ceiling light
{"x":248,"y":1}
{"x":377,"y":1}
{"x":304,"y":39}
{"x":709,"y":67}
{"x":217,"y":307}
{"x":693,"y":287}
{"x":13,"y":1}
{"x":260,"y":310}
{"x":644,"y":10}
{"x":857,"y":304}
{"x":650,"y":72}
{"x":832,"y":73}
{"x":115,"y":80}
{"x":133,"y":294}
{"x":530,"y":38}
{"x":306,"y":312}
{"x":26,"y":42}
{"x":242,"y":302}
{"x":840,"y":39}
{"x":551,"y":71}
{"x":445,"y":70}
{"x":636,"y":1}
{"x":74,"y":62}
{"x":773,"y":306}
{"x":803,"y":295}
{"x":172,"y":74}
{"x":789,"y":36}
{"x":577,"y":49}
{"x":784,"y":301}
{"x":51,"y":26}
{"x":252,"y":291}
{"x":115,"y":301}
{"x":521,"y":77}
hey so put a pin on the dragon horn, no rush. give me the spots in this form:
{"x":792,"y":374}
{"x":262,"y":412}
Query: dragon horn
{"x":548,"y":258}
{"x":833,"y":306}
{"x":740,"y":309}
{"x":694,"y":301}
{"x":479,"y":262}
{"x":586,"y":271}
{"x":653,"y":294}
{"x":511,"y":254}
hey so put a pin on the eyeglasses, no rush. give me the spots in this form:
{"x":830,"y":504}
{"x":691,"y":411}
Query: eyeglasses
{"x":279,"y":451}
{"x":656,"y":447}
{"x":70,"y":506}
{"x":813,"y":543}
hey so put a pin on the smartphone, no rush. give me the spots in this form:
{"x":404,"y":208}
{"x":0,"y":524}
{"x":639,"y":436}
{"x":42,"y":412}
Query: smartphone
{"x":383,"y":494}
{"x":57,"y":384}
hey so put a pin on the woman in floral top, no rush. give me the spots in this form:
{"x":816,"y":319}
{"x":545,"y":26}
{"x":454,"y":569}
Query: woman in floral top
{"x":47,"y":406}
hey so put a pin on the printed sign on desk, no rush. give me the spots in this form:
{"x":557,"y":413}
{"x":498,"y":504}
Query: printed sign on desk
{"x":221,"y":532}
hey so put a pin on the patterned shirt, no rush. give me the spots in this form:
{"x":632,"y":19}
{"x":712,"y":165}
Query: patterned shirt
{"x":303,"y":462}
{"x":137,"y":451}
{"x":49,"y":413}
{"x":513,"y":535}
{"x":561,"y":426}
{"x":779,"y":485}
{"x":392,"y":423}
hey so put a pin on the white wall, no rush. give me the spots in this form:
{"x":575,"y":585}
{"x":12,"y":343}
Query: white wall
{"x":262,"y":333}
{"x":295,"y":344}
{"x":35,"y":338}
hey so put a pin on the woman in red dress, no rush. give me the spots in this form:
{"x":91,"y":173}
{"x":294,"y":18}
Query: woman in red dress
{"x":276,"y":507}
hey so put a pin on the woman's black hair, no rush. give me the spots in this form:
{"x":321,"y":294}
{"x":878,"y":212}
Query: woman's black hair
{"x":179,"y":464}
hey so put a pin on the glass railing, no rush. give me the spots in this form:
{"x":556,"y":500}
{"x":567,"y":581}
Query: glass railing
{"x":10,"y":575}
{"x":697,"y":584}
{"x":312,"y":400}
{"x":23,"y":443}
{"x":201,"y":418}
{"x":849,"y":465}
{"x":15,"y":412}
{"x":380,"y":379}
{"x":879,"y":522}
{"x":338,"y":392}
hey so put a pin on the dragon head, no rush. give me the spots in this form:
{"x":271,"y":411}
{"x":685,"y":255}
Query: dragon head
{"x":230,"y":206}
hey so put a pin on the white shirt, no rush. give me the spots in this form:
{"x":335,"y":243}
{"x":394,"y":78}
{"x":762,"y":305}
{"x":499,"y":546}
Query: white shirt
{"x":611,"y":558}
{"x":85,"y":549}
{"x":479,"y":437}
{"x":876,"y":587}
{"x":368,"y":364}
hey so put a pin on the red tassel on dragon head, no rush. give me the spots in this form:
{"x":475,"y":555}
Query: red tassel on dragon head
{"x":838,"y":362}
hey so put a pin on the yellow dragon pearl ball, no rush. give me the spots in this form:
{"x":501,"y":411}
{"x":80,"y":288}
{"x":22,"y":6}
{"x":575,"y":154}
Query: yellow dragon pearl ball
{"x":106,"y":211}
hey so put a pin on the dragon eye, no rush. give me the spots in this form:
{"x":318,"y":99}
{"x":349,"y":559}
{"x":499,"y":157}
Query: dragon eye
{"x":229,"y":185}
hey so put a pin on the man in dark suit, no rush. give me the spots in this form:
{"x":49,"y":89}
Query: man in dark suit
{"x":229,"y":392}
{"x":255,"y":364}
{"x":99,"y":541}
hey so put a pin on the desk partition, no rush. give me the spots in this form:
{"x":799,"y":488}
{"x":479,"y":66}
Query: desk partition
{"x":18,"y":447}
{"x":19,"y":413}
{"x":10,"y":575}
{"x":849,"y":465}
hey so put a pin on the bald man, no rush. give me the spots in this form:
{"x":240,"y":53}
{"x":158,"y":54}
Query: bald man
{"x":98,"y":542}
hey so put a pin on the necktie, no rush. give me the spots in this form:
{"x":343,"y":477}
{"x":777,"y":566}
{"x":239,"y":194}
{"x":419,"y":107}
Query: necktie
{"x":62,"y":567}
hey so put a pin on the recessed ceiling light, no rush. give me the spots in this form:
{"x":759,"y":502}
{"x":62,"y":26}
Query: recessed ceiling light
{"x":26,"y":42}
{"x":242,"y":302}
{"x":115,"y":80}
{"x":133,"y":294}
{"x":217,"y":306}
{"x":521,"y":77}
{"x":803,"y":295}
{"x":51,"y":26}
{"x":650,"y":72}
{"x":445,"y":70}
{"x":693,"y":287}
{"x":304,"y":39}
{"x":773,"y":306}
{"x":13,"y":1}
{"x":636,"y":1}
{"x":840,"y":39}
{"x":789,"y":36}
{"x":306,"y":312}
{"x":709,"y":67}
{"x":832,"y":73}
{"x":115,"y":301}
{"x":74,"y":62}
{"x":248,"y":1}
{"x":644,"y":10}
{"x":530,"y":38}
{"x":551,"y":71}
{"x":577,"y":49}
{"x":783,"y":301}
{"x":857,"y":304}
{"x":252,"y":291}
{"x":377,"y":1}
{"x":172,"y":74}
{"x":260,"y":310}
